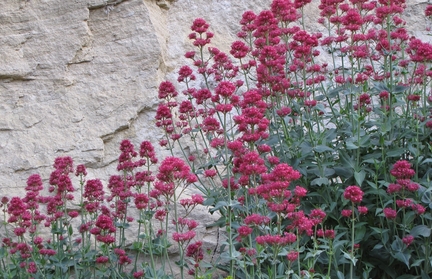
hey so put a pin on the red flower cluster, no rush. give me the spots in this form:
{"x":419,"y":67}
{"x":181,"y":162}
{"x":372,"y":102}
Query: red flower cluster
{"x":251,"y":122}
{"x":122,"y":256}
{"x":200,"y":35}
{"x":244,"y":231}
{"x":354,"y":194}
{"x":274,"y":187}
{"x":141,"y":201}
{"x":407,"y":240}
{"x":330,"y":234}
{"x":292,"y":256}
{"x":147,"y":151}
{"x":127,"y":154}
{"x":285,"y":11}
{"x":256,"y":220}
{"x":402,"y":170}
{"x":183,"y":237}
{"x":276,"y":240}
{"x":195,"y":251}
{"x":104,"y":229}
{"x":390,"y":213}
{"x":192,"y":202}
{"x":428,"y":11}
{"x":93,"y":190}
{"x":301,"y":222}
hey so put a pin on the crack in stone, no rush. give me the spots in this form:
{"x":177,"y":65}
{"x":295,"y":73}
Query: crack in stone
{"x":105,"y":4}
{"x":82,"y":55}
{"x":107,"y":137}
{"x":15,"y":77}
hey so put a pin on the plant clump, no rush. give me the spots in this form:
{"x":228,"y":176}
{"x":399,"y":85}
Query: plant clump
{"x":317,"y":169}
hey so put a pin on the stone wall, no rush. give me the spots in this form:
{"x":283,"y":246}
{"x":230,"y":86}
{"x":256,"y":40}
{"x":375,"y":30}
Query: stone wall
{"x":76,"y":77}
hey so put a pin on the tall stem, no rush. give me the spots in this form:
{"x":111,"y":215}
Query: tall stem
{"x":352,"y":242}
{"x":229,"y":228}
{"x":180,"y":246}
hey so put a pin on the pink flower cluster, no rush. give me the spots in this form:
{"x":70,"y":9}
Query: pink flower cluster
{"x":354,"y":194}
{"x":403,"y":173}
{"x":195,"y":252}
{"x":402,"y":170}
{"x":276,"y":240}
{"x":104,"y":229}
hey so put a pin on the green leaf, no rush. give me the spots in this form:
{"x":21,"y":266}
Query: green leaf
{"x":320,"y":107}
{"x":397,"y":245}
{"x":422,"y":230}
{"x":226,"y":255}
{"x":330,"y":134}
{"x":320,"y":98}
{"x":209,"y":201}
{"x":372,"y":160}
{"x":360,"y":231}
{"x":142,"y":236}
{"x":346,"y":160}
{"x":351,"y":145}
{"x":313,"y":254}
{"x":365,"y":141}
{"x":320,"y":181}
{"x":399,"y":88}
{"x":340,"y":275}
{"x":322,"y":148}
{"x":378,"y":247}
{"x":122,"y":225}
{"x":385,"y":127}
{"x":395,"y":153}
{"x":380,"y":86}
{"x":350,"y":257}
{"x":284,"y":252}
{"x":3,"y":252}
{"x":235,"y":204}
{"x":424,"y":275}
{"x":409,"y":217}
{"x":137,"y":246}
{"x":329,"y":172}
{"x":427,"y":197}
{"x":344,"y":172}
{"x":281,"y":268}
{"x":403,"y":257}
{"x":359,"y":177}
{"x":414,"y":151}
{"x":417,"y":262}
{"x":180,"y":263}
{"x":335,"y":91}
{"x":219,"y":205}
{"x":219,"y":223}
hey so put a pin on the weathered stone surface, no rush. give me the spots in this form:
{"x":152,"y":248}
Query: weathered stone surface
{"x":76,"y":77}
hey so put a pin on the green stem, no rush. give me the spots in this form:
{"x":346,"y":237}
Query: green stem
{"x":352,"y":242}
{"x":230,"y":241}
{"x":330,"y":256}
{"x":180,"y":246}
{"x":166,"y":247}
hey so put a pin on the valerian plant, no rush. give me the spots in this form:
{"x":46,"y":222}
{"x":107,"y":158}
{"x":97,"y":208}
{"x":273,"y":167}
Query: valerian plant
{"x":59,"y":236}
{"x":274,"y":116}
{"x":317,"y":170}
